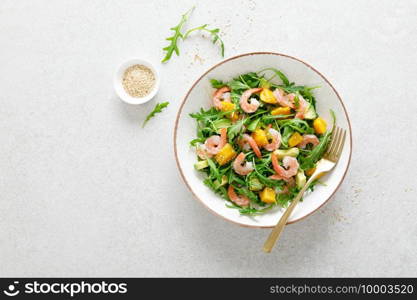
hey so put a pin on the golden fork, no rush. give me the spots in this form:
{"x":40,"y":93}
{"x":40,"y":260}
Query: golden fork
{"x":329,"y":160}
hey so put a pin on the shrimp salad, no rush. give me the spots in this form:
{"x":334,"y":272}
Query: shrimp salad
{"x":260,"y":141}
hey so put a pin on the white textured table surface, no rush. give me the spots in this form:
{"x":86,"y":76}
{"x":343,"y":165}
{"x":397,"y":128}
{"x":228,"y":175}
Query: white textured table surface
{"x":84,"y":191}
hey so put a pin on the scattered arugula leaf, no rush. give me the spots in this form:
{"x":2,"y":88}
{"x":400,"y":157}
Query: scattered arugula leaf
{"x":173,"y":46}
{"x":158,"y":108}
{"x":213,"y":32}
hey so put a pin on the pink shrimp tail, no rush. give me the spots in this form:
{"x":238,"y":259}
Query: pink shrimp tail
{"x":245,"y":105}
{"x":240,"y":200}
{"x":218,"y":96}
{"x":309,"y":139}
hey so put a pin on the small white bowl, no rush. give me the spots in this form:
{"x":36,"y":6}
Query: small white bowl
{"x":118,"y":78}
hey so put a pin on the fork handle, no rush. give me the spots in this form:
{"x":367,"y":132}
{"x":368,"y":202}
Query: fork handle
{"x":276,"y":232}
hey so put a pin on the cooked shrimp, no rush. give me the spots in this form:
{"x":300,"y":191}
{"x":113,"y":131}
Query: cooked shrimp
{"x":214,"y":143}
{"x":244,"y":144}
{"x":289,"y":168}
{"x":220,"y":94}
{"x":202,"y":152}
{"x":290,"y":180}
{"x":247,"y":139}
{"x":276,"y":140}
{"x":240,"y":200}
{"x":240,"y":166}
{"x":309,"y":139}
{"x":282,"y":99}
{"x":289,"y":100}
{"x":286,"y":188}
{"x":253,"y":105}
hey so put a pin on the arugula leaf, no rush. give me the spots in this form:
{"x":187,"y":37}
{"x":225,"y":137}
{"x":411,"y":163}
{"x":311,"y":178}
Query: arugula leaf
{"x":213,"y":32}
{"x":250,"y":210}
{"x":217,"y":83}
{"x":296,"y":124}
{"x":284,"y":199}
{"x":218,"y":190}
{"x":248,"y":193}
{"x":196,"y":141}
{"x":270,"y":118}
{"x":221,"y":123}
{"x":265,"y":180}
{"x":296,"y":101}
{"x":235,"y":129}
{"x":205,"y":115}
{"x":310,"y":160}
{"x":158,"y":108}
{"x":251,"y":79}
{"x":289,"y":126}
{"x":213,"y":169}
{"x":173,"y":46}
{"x":278,"y":73}
{"x":232,"y":177}
{"x":263,"y":83}
{"x":254,"y":124}
{"x":238,"y":85}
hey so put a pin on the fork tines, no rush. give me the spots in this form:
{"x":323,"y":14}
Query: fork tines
{"x":336,"y":144}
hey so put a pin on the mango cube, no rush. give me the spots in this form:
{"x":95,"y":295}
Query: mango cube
{"x":286,"y":110}
{"x":260,"y":137}
{"x":227,"y":106}
{"x":295,"y":139}
{"x":226,"y":154}
{"x":320,"y":125}
{"x":267,"y":96}
{"x":268,"y":195}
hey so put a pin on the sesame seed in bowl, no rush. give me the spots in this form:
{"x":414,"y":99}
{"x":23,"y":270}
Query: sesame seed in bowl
{"x":136,"y":81}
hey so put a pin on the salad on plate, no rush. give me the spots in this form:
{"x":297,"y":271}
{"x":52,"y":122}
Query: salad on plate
{"x":260,"y":140}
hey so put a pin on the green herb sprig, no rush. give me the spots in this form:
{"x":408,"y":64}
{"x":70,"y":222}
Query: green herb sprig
{"x":173,"y":46}
{"x":157,"y":109}
{"x":178,"y":35}
{"x":213,"y":32}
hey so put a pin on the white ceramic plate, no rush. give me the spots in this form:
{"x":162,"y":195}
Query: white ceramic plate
{"x":200,"y":95}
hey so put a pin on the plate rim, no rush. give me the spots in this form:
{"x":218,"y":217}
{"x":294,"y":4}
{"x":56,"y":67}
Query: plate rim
{"x":233,"y":58}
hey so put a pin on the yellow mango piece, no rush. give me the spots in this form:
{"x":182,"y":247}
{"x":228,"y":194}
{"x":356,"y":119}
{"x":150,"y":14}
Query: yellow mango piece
{"x":310,"y":172}
{"x":321,"y":175}
{"x":295,"y":139}
{"x":227,"y":106}
{"x":267,"y":96}
{"x":234,"y":116}
{"x":286,"y":110}
{"x":268,"y":195}
{"x":260,"y":137}
{"x":320,"y":125}
{"x":226,"y":154}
